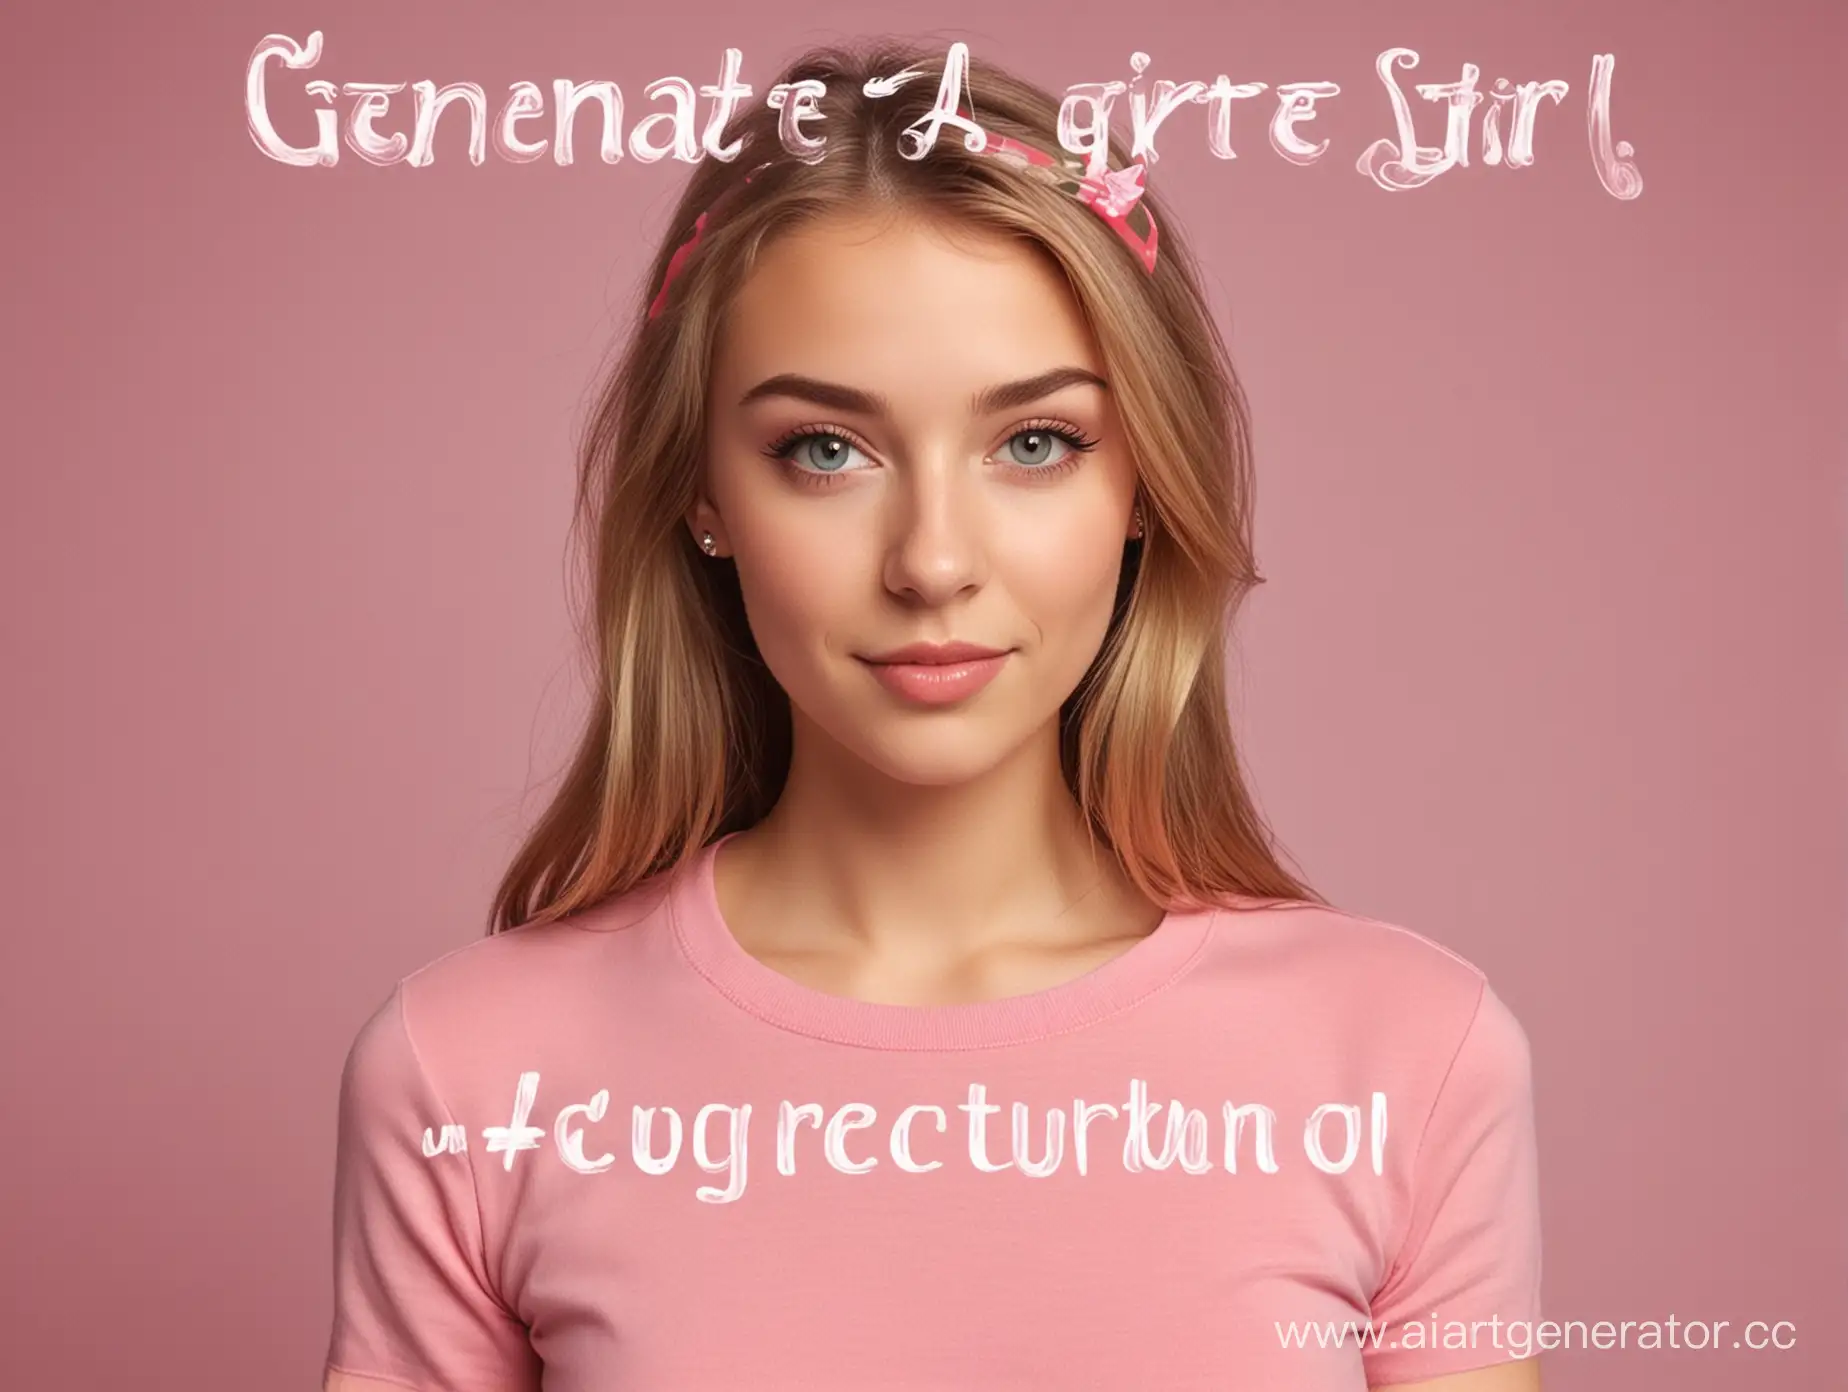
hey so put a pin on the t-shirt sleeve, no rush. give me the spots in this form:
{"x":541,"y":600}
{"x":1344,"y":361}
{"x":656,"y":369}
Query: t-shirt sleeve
{"x":1471,"y":1251}
{"x":413,"y":1304}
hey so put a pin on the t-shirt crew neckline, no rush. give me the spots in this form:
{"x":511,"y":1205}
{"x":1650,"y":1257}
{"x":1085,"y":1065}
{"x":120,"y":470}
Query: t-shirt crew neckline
{"x":1123,"y":981}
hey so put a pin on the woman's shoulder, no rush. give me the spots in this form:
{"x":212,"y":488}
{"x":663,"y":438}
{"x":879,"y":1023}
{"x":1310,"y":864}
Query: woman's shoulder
{"x":1376,"y":974}
{"x":1405,"y":1011}
{"x":536,"y":972}
{"x":1380,"y":942}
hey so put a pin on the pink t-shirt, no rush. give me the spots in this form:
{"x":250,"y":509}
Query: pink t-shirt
{"x":621,"y":1153}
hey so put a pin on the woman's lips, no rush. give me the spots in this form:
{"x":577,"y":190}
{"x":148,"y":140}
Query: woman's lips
{"x":937,"y":683}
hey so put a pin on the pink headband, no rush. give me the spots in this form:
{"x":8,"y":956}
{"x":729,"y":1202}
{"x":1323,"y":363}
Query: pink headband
{"x":1115,"y":196}
{"x":684,"y":252}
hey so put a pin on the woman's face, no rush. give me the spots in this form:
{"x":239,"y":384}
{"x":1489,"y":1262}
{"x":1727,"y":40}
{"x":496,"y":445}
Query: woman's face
{"x":910,"y":441}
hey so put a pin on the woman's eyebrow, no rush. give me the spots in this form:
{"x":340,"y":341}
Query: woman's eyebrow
{"x":843,"y":398}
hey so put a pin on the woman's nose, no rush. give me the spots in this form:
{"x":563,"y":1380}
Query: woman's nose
{"x":936,"y":540}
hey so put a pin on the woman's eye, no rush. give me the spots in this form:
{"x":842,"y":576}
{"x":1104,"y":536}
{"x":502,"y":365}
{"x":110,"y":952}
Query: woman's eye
{"x":1034,"y":448}
{"x":825,"y":454}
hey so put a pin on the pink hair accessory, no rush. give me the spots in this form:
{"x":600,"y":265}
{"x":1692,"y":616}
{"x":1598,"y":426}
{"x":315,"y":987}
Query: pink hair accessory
{"x":684,"y":252}
{"x":1115,"y":195}
{"x":674,"y":264}
{"x":1115,"y":190}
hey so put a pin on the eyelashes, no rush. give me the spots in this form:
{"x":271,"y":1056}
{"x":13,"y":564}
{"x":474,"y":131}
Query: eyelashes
{"x":786,"y":448}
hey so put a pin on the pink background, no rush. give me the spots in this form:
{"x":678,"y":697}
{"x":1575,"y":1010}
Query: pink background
{"x":1550,"y":664}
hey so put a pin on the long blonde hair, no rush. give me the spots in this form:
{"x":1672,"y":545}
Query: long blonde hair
{"x":689,"y":734}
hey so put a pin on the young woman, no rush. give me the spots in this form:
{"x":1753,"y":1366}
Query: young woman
{"x":902,"y":990}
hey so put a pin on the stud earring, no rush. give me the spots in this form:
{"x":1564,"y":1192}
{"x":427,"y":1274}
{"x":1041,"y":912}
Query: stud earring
{"x":707,"y":544}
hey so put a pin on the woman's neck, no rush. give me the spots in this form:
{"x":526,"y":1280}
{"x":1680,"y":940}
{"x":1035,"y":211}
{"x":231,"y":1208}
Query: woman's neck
{"x":918,"y":895}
